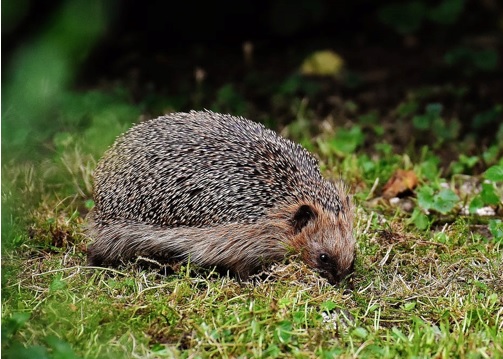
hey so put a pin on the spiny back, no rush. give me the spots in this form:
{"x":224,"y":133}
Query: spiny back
{"x":203,"y":168}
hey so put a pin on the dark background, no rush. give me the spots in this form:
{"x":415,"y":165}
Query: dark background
{"x":151,"y":51}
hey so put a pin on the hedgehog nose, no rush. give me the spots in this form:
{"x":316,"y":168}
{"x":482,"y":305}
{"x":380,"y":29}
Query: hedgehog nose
{"x":337,"y":276}
{"x":332,"y":277}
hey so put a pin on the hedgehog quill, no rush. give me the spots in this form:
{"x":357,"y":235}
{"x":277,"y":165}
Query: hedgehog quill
{"x":218,"y":190}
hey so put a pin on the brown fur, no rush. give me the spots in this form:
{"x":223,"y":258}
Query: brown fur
{"x":243,"y":248}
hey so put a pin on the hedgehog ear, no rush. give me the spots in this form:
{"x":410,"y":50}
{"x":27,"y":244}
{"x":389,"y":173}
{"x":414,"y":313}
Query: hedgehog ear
{"x":302,"y":217}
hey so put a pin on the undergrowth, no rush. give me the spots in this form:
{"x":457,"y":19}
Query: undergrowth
{"x":428,"y":279}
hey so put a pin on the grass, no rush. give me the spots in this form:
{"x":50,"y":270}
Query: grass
{"x":411,"y":297}
{"x":428,"y":281}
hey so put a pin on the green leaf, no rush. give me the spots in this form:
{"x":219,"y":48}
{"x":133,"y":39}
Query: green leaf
{"x":488,"y":194}
{"x":283,"y":331}
{"x":61,"y":349}
{"x":430,"y":168}
{"x":89,"y":204}
{"x":425,"y":198}
{"x":329,"y":353}
{"x":421,"y":122}
{"x":447,"y":12}
{"x":420,"y":220}
{"x":444,"y":130}
{"x":430,"y":117}
{"x":18,"y":351}
{"x":373,"y":351}
{"x":469,"y":161}
{"x":472,"y":59}
{"x":433,"y":110}
{"x":11,"y":325}
{"x":404,"y":18}
{"x":399,"y":334}
{"x":347,"y":141}
{"x":57,"y":284}
{"x":272,"y":351}
{"x":360,"y":332}
{"x":409,"y":306}
{"x":487,"y":118}
{"x":445,"y":201}
{"x":407,"y":108}
{"x":299,"y":317}
{"x":496,"y":229}
{"x":485,"y":60}
{"x":370,"y":118}
{"x":285,"y":302}
{"x":328,"y":305}
{"x":441,"y":237}
{"x":476,"y":204}
{"x":491,"y":155}
{"x":494,"y":173}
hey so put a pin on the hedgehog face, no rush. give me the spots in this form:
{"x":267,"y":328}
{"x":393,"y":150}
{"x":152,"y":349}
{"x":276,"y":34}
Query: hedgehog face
{"x":325,"y":239}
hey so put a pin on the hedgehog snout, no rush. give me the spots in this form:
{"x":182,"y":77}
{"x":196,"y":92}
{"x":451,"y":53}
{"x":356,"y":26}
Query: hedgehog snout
{"x":336,"y":274}
{"x":334,"y":269}
{"x":329,"y":246}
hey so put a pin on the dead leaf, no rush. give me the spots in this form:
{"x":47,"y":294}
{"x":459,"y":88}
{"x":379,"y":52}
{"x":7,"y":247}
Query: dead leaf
{"x":401,"y":182}
{"x":323,"y":63}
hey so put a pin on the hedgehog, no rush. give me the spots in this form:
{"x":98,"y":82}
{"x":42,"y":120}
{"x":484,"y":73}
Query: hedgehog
{"x":220,"y":191}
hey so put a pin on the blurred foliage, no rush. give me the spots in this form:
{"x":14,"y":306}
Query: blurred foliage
{"x":405,"y":17}
{"x":13,"y":13}
{"x":490,"y":117}
{"x":470,"y":60}
{"x":408,"y":17}
{"x":41,"y":71}
{"x":49,"y":50}
{"x":230,"y":101}
{"x":432,"y":122}
{"x":496,"y":229}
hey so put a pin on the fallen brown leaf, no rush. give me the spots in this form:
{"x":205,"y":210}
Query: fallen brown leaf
{"x":401,"y":182}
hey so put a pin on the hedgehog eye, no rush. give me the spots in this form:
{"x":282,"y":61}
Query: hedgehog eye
{"x":302,"y":217}
{"x":324,"y":258}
